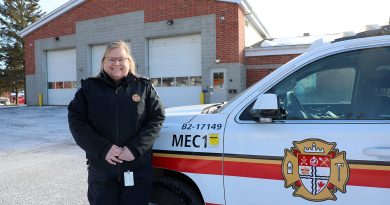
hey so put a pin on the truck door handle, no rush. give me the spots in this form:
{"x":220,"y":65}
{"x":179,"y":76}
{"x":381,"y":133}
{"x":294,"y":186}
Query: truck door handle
{"x":377,"y":151}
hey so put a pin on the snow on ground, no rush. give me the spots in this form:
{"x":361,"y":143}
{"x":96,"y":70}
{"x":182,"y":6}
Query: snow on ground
{"x":31,"y":128}
{"x":39,"y":160}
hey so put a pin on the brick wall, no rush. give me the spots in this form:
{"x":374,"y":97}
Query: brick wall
{"x":260,"y":66}
{"x":227,"y":31}
{"x":277,"y":59}
{"x":241,"y":35}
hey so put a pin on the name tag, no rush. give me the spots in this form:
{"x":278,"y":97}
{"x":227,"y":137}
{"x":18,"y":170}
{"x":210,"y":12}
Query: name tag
{"x":129,"y":178}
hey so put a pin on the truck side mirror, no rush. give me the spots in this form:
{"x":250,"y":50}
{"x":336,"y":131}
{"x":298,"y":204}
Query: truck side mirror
{"x":266,"y":108}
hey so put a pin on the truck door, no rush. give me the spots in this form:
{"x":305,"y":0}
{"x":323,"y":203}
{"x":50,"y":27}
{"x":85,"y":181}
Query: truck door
{"x":332,"y":145}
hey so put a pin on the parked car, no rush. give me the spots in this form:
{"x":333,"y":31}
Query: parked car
{"x":315,"y":130}
{"x":4,"y":101}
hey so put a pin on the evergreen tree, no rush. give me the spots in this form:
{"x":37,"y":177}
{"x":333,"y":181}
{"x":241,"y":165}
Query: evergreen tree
{"x":15,"y":15}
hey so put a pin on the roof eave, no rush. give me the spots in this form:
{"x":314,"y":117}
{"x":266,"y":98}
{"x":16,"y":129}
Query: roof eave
{"x":254,"y":19}
{"x":49,"y":17}
{"x":276,"y":50}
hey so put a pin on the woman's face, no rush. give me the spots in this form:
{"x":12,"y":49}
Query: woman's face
{"x":116,"y":64}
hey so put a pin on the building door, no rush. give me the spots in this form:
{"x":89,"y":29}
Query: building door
{"x":218,"y":85}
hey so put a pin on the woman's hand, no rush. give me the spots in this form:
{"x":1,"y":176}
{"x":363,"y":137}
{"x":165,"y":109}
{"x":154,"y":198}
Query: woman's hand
{"x":113,"y":153}
{"x":126,"y":155}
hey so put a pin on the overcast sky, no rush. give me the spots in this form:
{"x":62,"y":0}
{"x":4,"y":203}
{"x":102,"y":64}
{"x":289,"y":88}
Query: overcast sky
{"x":286,"y":18}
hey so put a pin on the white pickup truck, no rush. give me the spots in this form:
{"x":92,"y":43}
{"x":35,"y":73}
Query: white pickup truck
{"x":315,"y":130}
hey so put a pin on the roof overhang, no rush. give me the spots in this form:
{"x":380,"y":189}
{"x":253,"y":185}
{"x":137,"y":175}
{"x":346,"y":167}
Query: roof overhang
{"x":50,"y":16}
{"x":276,"y":50}
{"x":254,"y":19}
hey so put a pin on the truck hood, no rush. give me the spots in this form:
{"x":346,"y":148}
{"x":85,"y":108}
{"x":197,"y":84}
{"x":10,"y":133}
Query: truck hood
{"x":183,"y":114}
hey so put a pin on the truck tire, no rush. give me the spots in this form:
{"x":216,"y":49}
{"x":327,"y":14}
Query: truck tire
{"x":171,"y":191}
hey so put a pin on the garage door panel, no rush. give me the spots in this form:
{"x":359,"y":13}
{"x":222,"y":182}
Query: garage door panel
{"x":185,"y":49}
{"x":61,"y":65}
{"x":61,"y":97}
{"x":182,"y":68}
{"x":179,"y":96}
{"x":178,"y":40}
{"x":175,"y":54}
{"x":62,"y":76}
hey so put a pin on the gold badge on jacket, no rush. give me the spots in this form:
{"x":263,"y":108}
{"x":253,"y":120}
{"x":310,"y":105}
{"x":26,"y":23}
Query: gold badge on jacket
{"x":136,"y":98}
{"x":315,"y":169}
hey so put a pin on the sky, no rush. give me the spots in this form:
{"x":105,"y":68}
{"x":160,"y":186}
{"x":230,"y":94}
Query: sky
{"x":286,"y":18}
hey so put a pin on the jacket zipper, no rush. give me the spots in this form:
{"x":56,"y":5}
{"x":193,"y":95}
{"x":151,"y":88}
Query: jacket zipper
{"x":117,"y":128}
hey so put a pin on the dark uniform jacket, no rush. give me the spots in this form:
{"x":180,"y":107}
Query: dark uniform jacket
{"x":103,"y":113}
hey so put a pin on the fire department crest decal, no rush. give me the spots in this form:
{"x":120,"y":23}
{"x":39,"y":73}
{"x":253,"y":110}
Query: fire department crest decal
{"x":315,"y":169}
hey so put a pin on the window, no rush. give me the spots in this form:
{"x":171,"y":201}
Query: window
{"x":62,"y":85}
{"x":168,"y":82}
{"x":332,"y":86}
{"x":182,"y":81}
{"x":348,"y":86}
{"x":319,"y":95}
{"x":195,"y":81}
{"x":156,"y":82}
{"x":218,"y":79}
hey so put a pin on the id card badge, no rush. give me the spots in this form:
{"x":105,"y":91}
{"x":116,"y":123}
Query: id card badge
{"x":129,"y":178}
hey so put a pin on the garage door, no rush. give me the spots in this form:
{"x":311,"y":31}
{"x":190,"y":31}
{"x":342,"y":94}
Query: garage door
{"x":61,"y":71}
{"x":97,"y":54}
{"x":175,"y":68}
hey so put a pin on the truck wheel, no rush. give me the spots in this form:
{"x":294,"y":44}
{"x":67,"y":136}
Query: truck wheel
{"x":171,"y":191}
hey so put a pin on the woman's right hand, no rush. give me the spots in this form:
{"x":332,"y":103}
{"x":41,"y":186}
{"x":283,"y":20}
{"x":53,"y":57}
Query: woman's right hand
{"x":112,"y":155}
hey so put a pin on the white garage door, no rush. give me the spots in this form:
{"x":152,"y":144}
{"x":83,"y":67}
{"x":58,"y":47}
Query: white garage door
{"x":175,"y":68}
{"x":62,"y":78}
{"x":97,"y":54}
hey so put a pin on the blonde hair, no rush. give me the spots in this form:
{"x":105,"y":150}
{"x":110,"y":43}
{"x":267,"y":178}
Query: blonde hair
{"x":124,"y":46}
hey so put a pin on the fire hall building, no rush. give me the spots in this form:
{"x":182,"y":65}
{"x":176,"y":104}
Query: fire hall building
{"x":194,"y":51}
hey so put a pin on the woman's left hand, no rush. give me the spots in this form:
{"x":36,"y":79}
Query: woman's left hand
{"x":126,"y":155}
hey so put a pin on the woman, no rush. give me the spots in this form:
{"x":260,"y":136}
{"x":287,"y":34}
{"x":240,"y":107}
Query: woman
{"x":115,"y":118}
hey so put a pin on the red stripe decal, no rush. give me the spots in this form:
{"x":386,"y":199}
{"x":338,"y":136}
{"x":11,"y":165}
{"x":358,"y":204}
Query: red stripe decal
{"x":369,"y":177}
{"x":358,"y":177}
{"x":199,"y":166}
{"x":254,"y":170}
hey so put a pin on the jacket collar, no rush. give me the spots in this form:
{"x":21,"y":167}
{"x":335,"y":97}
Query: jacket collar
{"x":125,"y":80}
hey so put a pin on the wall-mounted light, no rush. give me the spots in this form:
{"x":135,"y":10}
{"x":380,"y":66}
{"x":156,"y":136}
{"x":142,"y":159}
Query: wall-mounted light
{"x":57,"y":38}
{"x":169,"y":22}
{"x":217,"y":61}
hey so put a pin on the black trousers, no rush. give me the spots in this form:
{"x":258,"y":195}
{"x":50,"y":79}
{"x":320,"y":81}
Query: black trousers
{"x":105,"y":188}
